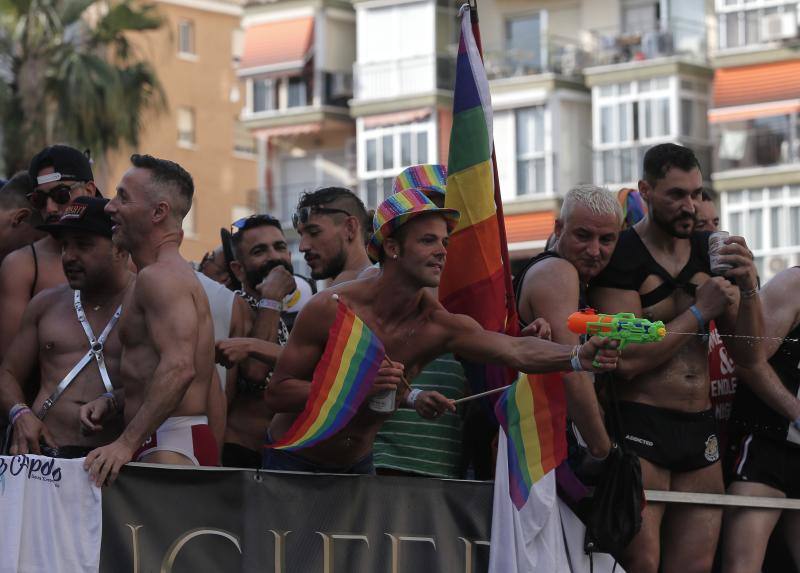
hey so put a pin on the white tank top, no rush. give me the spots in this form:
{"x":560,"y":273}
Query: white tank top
{"x":220,"y":299}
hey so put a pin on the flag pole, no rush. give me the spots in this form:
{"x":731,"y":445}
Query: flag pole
{"x":482,"y":394}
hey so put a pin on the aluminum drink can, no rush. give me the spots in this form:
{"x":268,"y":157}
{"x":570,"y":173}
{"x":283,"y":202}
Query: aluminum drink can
{"x":383,"y":401}
{"x":716,"y":241}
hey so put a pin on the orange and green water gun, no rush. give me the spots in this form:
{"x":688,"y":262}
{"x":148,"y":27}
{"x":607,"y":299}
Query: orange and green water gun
{"x":624,"y":327}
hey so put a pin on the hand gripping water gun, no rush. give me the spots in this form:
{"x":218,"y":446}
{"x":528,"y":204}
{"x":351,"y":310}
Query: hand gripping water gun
{"x":623,"y":326}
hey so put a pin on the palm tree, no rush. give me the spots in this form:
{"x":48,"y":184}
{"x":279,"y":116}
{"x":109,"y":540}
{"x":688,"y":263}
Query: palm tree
{"x":70,"y":74}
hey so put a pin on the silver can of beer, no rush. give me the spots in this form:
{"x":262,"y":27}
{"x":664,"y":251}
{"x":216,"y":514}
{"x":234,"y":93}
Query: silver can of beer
{"x":383,"y":401}
{"x":716,"y":241}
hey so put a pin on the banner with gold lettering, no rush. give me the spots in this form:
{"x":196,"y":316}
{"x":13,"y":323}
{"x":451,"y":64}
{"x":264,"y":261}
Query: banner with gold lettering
{"x":196,"y":520}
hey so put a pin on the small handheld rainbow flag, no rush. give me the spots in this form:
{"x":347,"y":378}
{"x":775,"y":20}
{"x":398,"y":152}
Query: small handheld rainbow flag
{"x":341,"y":381}
{"x":533,"y":415}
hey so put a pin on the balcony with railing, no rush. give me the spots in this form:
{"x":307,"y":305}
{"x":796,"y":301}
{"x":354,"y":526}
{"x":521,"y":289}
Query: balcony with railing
{"x":610,"y":46}
{"x":760,"y":142}
{"x":404,"y":77}
{"x":557,"y":55}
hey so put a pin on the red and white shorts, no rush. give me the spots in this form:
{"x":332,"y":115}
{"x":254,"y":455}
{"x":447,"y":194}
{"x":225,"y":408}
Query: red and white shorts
{"x":189,"y":436}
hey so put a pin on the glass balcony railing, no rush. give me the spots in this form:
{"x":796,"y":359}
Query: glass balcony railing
{"x":557,"y":55}
{"x":612,"y":47}
{"x":760,"y":142}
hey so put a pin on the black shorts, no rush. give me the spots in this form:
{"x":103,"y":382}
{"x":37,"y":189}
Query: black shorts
{"x":237,"y":456}
{"x":671,"y":439}
{"x":775,"y":463}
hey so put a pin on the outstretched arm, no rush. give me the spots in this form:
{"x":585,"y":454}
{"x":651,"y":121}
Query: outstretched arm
{"x":465,"y":337}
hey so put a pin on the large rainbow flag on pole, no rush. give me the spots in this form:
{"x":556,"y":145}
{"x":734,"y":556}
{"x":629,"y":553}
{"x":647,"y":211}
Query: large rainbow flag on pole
{"x":533,"y":414}
{"x":341,"y":381}
{"x":477,"y":280}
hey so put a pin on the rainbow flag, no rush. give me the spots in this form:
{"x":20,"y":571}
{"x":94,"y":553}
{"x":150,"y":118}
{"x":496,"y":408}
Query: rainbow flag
{"x":477,"y":279}
{"x":341,"y":381}
{"x":533,"y":414}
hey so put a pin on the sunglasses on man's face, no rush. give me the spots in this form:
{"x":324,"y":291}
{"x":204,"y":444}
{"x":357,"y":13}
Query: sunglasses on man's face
{"x":302,"y":215}
{"x":60,"y":194}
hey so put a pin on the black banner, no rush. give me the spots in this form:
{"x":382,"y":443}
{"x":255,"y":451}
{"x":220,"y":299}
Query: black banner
{"x":174,"y":520}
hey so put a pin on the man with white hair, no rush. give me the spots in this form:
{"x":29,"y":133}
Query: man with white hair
{"x":552,"y":286}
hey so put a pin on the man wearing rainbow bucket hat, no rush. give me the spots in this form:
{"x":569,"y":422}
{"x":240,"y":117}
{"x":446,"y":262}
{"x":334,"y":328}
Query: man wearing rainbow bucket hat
{"x":410,"y":237}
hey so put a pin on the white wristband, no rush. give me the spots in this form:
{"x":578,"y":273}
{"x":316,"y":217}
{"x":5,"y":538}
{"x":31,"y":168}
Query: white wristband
{"x":796,"y":424}
{"x":412,"y":397}
{"x":270,"y":304}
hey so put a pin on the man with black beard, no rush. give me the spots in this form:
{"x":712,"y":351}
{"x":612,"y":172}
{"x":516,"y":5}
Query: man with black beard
{"x":660,"y":270}
{"x":332,"y":224}
{"x":263,"y":266}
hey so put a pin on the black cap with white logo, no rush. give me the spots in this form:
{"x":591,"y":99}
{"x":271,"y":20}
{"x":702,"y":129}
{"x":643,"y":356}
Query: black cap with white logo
{"x":86,"y":214}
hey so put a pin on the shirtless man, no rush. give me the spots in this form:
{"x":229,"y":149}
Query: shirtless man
{"x":553,"y":286}
{"x":331,"y":223}
{"x":767,"y":408}
{"x":17,"y":219}
{"x":54,"y":336}
{"x":263,"y":266}
{"x":398,"y":306}
{"x":60,"y":174}
{"x":166,"y":328}
{"x":660,"y":270}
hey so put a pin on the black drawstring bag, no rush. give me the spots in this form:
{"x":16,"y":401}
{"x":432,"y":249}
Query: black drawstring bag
{"x":615,"y":513}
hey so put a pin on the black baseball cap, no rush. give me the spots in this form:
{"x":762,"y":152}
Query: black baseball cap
{"x":68,"y":164}
{"x":85,"y":214}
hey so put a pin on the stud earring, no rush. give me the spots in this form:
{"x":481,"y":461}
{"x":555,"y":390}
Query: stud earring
{"x":394,"y":256}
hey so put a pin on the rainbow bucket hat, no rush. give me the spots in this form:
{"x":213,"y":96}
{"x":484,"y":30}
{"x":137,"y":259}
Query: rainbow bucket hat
{"x":427,"y":177}
{"x":397,"y":209}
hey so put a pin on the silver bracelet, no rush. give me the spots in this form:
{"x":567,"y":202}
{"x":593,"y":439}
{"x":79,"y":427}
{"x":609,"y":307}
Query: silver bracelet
{"x":749,"y":293}
{"x":575,"y":360}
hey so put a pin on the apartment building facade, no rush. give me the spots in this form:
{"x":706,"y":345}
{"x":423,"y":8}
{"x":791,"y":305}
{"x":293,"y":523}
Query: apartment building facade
{"x":194,"y":54}
{"x":297,"y":67}
{"x":755,"y":126}
{"x":580,"y":90}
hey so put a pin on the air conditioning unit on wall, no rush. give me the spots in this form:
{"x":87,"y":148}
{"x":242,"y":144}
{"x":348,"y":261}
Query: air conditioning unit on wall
{"x":778,"y":26}
{"x":776,"y":263}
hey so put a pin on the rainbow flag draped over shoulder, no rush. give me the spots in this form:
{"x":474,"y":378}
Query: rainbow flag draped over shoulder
{"x":532,"y":413}
{"x":341,"y":381}
{"x":476,"y":279}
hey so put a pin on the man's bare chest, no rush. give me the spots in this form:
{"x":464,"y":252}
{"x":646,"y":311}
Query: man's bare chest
{"x":60,"y":332}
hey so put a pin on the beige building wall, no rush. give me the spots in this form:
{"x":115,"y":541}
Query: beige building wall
{"x":205,"y":84}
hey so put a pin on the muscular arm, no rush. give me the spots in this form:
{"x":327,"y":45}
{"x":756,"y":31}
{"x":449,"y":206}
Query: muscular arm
{"x":20,"y":360}
{"x":639,"y":358}
{"x":290,"y":386}
{"x":18,"y":364}
{"x":782,"y":314}
{"x":463,"y":336}
{"x":172,"y":326}
{"x":551,"y":290}
{"x":16,"y":276}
